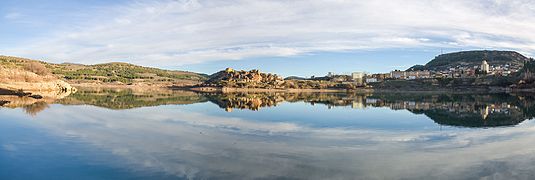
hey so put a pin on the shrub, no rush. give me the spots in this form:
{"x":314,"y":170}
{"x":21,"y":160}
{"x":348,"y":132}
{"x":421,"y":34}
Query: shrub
{"x":37,"y":68}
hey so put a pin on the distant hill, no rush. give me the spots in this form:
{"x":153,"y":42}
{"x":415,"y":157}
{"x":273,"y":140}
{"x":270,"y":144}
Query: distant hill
{"x":110,"y":73}
{"x":473,"y":58}
{"x":416,"y":68}
{"x":295,"y":78}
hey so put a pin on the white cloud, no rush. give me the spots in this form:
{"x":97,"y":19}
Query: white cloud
{"x":165,"y":32}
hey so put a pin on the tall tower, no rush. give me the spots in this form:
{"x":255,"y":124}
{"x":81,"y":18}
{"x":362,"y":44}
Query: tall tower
{"x":485,"y":66}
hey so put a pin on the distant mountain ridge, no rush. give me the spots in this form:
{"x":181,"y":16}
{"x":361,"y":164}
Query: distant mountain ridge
{"x":472,"y":58}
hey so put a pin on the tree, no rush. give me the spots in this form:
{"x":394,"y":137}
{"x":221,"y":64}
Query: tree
{"x":37,"y":68}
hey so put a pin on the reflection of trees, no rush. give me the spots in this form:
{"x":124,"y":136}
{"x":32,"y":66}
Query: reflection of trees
{"x":128,"y":98}
{"x":30,"y":105}
{"x":35,"y":108}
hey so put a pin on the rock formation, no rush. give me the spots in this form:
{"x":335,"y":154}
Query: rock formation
{"x":26,"y":82}
{"x":244,"y":79}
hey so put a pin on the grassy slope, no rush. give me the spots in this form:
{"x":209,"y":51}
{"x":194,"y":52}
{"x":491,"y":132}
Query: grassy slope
{"x":111,"y":73}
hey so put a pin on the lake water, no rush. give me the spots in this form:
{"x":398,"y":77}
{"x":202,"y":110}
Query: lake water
{"x":121,"y":134}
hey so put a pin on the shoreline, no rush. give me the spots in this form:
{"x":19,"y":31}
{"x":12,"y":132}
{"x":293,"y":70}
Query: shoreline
{"x":261,"y":90}
{"x":475,"y":90}
{"x":206,"y":89}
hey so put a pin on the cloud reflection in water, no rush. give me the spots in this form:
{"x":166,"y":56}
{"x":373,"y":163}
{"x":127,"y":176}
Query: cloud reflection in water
{"x":182,"y":143}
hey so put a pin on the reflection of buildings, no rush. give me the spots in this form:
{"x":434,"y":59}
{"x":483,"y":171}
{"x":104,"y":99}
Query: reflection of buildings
{"x":456,"y":110}
{"x":485,"y":112}
{"x":454,"y":107}
{"x":361,"y":101}
{"x":358,"y":102}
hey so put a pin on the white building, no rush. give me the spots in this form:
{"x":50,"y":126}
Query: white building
{"x":357,"y":75}
{"x":397,"y":74}
{"x":371,"y":80}
{"x":485,"y":67}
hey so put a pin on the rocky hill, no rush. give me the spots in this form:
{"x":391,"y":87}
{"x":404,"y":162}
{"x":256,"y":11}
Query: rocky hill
{"x":32,"y":79}
{"x":473,"y":58}
{"x":255,"y":80}
{"x":244,"y":79}
{"x":110,"y":73}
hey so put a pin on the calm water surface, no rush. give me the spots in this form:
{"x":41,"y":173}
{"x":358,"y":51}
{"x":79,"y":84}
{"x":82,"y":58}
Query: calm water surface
{"x":120,"y":134}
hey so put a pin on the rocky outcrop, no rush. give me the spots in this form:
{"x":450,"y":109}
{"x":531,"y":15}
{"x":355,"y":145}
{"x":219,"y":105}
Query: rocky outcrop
{"x":244,"y":79}
{"x":231,"y":80}
{"x":18,"y":80}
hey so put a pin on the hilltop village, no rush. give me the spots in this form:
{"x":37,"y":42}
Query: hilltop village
{"x":363,"y":78}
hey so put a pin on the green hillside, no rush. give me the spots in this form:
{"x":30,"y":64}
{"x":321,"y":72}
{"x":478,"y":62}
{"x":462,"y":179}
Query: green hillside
{"x":116,"y":73}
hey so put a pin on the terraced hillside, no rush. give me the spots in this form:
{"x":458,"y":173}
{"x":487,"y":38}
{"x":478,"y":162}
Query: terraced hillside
{"x":110,"y":73}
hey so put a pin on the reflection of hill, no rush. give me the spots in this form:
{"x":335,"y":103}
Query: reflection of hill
{"x":245,"y":101}
{"x":255,"y":101}
{"x":491,"y":110}
{"x":107,"y":98}
{"x":31,"y":106}
{"x":128,"y":99}
{"x":445,"y":117}
{"x":465,"y":110}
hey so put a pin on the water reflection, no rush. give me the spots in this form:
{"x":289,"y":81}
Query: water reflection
{"x":128,"y":98}
{"x":124,"y":134}
{"x":465,"y":110}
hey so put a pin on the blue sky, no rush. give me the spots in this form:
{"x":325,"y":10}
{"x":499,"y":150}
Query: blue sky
{"x":320,"y":64}
{"x":298,"y":37}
